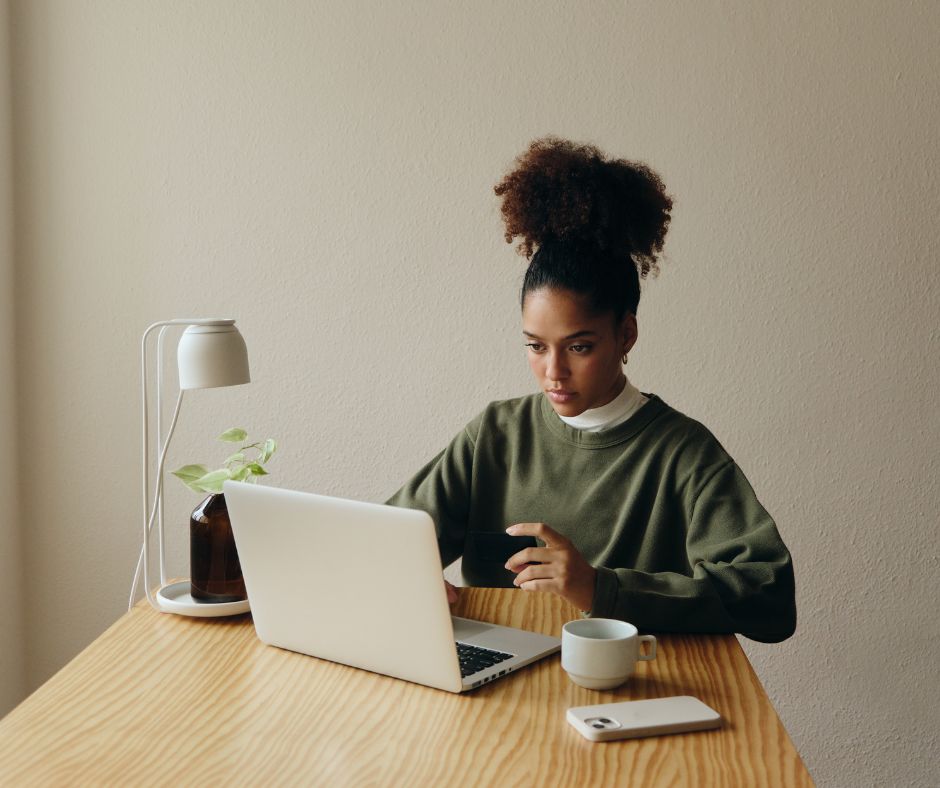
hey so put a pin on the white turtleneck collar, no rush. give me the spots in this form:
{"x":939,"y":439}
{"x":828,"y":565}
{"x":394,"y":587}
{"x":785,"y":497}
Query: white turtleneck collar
{"x":615,"y":412}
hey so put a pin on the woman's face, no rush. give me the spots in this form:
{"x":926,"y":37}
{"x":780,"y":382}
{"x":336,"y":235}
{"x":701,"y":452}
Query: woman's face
{"x":575,"y":355}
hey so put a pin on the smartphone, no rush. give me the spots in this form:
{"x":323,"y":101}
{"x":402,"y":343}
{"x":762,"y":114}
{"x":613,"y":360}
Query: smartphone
{"x":498,"y":547}
{"x":635,"y":718}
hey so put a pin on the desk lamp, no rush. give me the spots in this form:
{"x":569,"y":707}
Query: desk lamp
{"x":211,"y":353}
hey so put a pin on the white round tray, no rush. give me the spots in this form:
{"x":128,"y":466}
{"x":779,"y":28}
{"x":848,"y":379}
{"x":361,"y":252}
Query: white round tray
{"x":175,"y":598}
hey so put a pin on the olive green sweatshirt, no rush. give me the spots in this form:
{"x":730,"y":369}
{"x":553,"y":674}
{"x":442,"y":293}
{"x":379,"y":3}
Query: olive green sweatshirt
{"x":677,"y":536}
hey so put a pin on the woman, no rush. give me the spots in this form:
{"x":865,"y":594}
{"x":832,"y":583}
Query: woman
{"x":639,"y":512}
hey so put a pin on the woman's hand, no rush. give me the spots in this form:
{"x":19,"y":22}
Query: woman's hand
{"x":560,"y":568}
{"x":451,"y":593}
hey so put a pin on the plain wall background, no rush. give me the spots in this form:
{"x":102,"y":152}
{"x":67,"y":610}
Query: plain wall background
{"x":12,"y":669}
{"x":323,"y":173}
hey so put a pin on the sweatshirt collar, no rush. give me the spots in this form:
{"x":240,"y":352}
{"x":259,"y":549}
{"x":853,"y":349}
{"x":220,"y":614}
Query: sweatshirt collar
{"x":610,"y":437}
{"x":618,"y":410}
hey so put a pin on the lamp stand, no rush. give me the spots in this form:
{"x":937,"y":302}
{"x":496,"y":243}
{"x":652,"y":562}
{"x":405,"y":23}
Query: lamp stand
{"x":174,"y":597}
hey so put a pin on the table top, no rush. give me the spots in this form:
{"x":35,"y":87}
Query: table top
{"x":163,"y":699}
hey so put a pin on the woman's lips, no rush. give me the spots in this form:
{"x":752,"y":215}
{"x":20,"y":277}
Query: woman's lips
{"x":560,"y":395}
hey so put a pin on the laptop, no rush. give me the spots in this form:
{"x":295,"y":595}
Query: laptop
{"x":361,"y":584}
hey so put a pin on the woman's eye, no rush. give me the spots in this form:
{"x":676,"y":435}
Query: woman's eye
{"x":534,"y":346}
{"x":580,"y":348}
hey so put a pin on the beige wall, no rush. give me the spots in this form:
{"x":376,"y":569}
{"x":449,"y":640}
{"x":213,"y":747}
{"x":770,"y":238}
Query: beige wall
{"x":323,"y":172}
{"x":12,"y":653}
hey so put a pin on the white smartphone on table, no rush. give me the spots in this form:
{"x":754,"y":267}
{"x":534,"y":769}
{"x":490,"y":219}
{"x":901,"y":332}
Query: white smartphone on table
{"x":635,"y":718}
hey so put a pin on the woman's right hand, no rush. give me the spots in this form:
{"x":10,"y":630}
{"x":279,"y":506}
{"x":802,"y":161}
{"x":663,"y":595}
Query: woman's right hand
{"x":451,"y":593}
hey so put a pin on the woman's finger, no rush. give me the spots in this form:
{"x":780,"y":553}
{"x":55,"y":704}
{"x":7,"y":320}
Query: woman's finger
{"x":531,"y":555}
{"x":540,"y":531}
{"x":534,"y":572}
{"x":538,"y":585}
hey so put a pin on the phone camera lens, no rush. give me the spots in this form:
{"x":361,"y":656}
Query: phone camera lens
{"x":598,"y":725}
{"x":604,"y":720}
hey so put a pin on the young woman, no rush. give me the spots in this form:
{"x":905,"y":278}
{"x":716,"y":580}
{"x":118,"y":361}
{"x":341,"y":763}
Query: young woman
{"x":639,"y":512}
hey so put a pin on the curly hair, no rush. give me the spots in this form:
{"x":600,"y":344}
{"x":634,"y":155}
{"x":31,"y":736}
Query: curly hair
{"x":582,"y":212}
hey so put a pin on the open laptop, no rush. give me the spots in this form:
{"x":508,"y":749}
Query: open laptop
{"x":361,"y":584}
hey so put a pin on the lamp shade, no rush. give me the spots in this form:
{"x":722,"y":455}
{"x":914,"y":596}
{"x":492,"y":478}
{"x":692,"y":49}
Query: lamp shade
{"x":212,"y":354}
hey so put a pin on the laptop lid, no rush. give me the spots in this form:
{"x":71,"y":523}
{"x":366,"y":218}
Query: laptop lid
{"x":352,"y":582}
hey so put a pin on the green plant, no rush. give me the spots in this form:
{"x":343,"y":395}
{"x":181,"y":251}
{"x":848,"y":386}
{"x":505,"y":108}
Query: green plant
{"x":239,"y":466}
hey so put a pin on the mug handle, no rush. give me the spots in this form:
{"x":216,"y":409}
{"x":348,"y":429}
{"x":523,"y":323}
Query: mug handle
{"x":652,"y":641}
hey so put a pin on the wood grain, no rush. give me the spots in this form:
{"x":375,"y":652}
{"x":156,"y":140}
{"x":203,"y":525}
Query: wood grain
{"x":165,"y":700}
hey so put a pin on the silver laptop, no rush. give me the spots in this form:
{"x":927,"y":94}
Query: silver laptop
{"x":361,"y":584}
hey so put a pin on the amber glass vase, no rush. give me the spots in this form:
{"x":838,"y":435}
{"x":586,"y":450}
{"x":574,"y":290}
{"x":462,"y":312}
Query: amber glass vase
{"x":215,"y":571}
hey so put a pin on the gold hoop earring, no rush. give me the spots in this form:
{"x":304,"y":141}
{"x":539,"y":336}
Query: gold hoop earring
{"x":625,"y":357}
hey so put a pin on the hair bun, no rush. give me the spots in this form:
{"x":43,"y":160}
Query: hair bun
{"x":561,"y":190}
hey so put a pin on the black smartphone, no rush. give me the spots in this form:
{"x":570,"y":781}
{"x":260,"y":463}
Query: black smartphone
{"x":497,"y":547}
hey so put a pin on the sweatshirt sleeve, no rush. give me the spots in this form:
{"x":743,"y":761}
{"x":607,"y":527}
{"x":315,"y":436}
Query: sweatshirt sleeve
{"x":741,"y":573}
{"x":442,"y":489}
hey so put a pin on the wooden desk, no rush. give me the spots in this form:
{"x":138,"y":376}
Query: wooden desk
{"x":161,"y":699}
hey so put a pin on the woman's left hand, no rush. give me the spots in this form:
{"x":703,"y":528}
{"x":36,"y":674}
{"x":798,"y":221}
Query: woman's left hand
{"x":560,"y":568}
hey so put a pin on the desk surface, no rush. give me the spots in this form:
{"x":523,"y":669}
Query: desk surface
{"x":169,"y":700}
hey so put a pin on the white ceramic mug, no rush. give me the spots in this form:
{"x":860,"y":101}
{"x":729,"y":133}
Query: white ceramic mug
{"x":601,"y":653}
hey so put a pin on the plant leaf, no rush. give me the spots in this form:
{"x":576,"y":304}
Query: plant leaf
{"x":255,"y":469}
{"x":212,"y":482}
{"x":241,"y":474}
{"x":270,"y":446}
{"x":189,"y":473}
{"x":238,"y":456}
{"x":234,"y":435}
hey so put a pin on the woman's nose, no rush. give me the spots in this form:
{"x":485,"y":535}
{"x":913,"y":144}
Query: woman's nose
{"x":555,"y":368}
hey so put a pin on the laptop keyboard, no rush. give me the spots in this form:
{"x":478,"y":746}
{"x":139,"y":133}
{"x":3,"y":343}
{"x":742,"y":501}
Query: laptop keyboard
{"x":474,"y":658}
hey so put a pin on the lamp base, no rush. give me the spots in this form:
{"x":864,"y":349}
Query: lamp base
{"x":175,"y":598}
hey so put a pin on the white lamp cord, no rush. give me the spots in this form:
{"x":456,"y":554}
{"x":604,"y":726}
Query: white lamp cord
{"x":159,"y":433}
{"x":144,"y":558}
